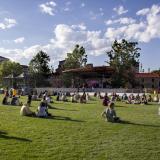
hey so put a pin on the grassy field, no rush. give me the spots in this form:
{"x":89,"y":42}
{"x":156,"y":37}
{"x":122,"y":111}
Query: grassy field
{"x":78,"y":132}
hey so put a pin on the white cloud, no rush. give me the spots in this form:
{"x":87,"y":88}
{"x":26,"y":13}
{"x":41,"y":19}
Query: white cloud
{"x":83,"y":4}
{"x":96,"y":42}
{"x":79,"y":26}
{"x":19,"y":40}
{"x":143,"y":11}
{"x":48,"y":8}
{"x":120,"y":10}
{"x":64,"y":39}
{"x":7,"y":23}
{"x":142,"y":31}
{"x":124,"y":20}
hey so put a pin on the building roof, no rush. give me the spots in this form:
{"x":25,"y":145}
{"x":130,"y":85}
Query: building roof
{"x":90,"y":69}
{"x":147,"y":75}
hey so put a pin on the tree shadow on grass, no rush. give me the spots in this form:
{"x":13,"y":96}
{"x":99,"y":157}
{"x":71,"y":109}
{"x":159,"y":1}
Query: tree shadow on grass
{"x":63,"y":118}
{"x":139,"y":124}
{"x":5,"y":136}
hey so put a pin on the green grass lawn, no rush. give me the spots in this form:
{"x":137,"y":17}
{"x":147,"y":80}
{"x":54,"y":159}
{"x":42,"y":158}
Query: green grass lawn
{"x":78,"y":132}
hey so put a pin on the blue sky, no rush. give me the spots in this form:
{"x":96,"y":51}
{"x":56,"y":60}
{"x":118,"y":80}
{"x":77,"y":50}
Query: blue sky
{"x":27,"y":26}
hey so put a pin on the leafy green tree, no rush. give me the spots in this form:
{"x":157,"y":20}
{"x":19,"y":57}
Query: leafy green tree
{"x":39,"y":69}
{"x":9,"y":68}
{"x":76,"y":59}
{"x":123,"y":57}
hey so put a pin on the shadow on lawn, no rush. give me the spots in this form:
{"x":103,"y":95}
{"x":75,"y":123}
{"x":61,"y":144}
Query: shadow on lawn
{"x":5,"y":136}
{"x":51,"y":107}
{"x":138,"y":124}
{"x":63,"y":118}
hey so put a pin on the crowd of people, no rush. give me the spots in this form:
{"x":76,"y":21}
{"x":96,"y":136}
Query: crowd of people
{"x":12,"y":98}
{"x":74,"y":98}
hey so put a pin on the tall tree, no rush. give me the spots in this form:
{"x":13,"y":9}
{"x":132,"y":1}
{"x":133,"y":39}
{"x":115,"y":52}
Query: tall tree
{"x":10,"y":68}
{"x":39,"y":68}
{"x":123,"y":57}
{"x":76,"y":59}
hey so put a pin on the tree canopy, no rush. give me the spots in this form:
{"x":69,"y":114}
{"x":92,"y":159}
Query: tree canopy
{"x":39,"y":68}
{"x":76,"y":59}
{"x":9,"y":67}
{"x":123,"y":57}
{"x":40,"y":63}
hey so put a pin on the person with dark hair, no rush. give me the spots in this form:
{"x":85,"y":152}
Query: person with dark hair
{"x":144,"y":99}
{"x":110,"y":114}
{"x":29,"y":100}
{"x":43,"y":109}
{"x":83,"y":98}
{"x":5,"y":100}
{"x":106,"y":100}
{"x":6,"y":95}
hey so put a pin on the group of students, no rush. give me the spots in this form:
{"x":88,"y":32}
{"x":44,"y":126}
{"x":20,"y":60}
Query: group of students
{"x":42,"y":110}
{"x":137,"y":99}
{"x":74,"y":98}
{"x":11,"y":98}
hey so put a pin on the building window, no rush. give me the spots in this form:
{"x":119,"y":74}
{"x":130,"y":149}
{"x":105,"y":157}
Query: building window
{"x":152,"y":79}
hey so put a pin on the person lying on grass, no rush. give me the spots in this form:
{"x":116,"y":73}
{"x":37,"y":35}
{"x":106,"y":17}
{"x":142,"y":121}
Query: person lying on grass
{"x":110,"y":114}
{"x":25,"y":111}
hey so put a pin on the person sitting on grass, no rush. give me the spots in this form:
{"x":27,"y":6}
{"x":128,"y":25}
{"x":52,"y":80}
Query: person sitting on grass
{"x":124,"y":97}
{"x":137,"y":99}
{"x":42,"y":110}
{"x":49,"y":99}
{"x":106,"y":100}
{"x":144,"y":99}
{"x":15,"y":101}
{"x":150,"y":99}
{"x":5,"y":100}
{"x":25,"y":111}
{"x":64,"y":97}
{"x":110,"y":114}
{"x":156,"y":98}
{"x":29,"y":100}
{"x":83,"y":98}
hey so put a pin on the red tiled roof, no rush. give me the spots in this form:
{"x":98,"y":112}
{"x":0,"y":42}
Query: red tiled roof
{"x":90,"y":69}
{"x":147,"y":75}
